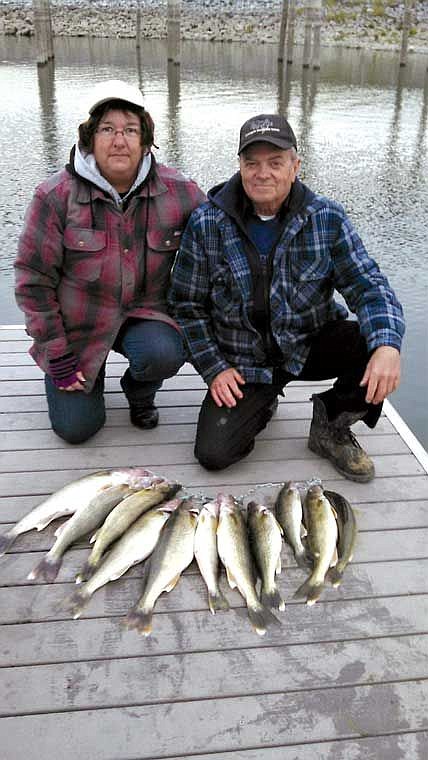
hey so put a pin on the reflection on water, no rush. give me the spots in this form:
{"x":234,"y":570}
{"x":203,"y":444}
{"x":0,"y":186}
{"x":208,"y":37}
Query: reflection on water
{"x":361,"y":126}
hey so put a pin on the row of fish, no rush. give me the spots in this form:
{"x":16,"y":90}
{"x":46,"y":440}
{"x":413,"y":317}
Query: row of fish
{"x":137,"y":516}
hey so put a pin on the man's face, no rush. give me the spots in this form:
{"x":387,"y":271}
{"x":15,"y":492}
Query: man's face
{"x":267,"y":174}
{"x":118,"y":154}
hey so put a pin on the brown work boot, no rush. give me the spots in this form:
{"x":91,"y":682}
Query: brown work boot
{"x":335,"y":441}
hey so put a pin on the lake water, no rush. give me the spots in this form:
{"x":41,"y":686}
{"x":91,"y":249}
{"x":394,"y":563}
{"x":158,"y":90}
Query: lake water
{"x":360,"y":122}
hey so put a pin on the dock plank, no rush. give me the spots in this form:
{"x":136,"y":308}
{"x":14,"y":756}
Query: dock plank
{"x":344,"y":712}
{"x":345,"y":678}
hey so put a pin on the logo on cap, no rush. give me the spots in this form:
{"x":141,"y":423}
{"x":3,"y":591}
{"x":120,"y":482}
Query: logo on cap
{"x":261,"y":125}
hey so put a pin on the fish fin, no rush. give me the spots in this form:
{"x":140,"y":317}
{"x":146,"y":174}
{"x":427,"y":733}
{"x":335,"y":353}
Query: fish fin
{"x":278,"y":566}
{"x":6,"y":541}
{"x":272,"y":599}
{"x":172,"y":583}
{"x":86,"y":572}
{"x":217,"y":602}
{"x":139,"y":620}
{"x":261,"y":618}
{"x":335,"y":558}
{"x":94,"y":537}
{"x":303,"y":531}
{"x":312,"y":591}
{"x":60,"y":529}
{"x":334,"y":576}
{"x":230,"y":579}
{"x":47,"y":570}
{"x":76,"y":602}
{"x":303,"y":560}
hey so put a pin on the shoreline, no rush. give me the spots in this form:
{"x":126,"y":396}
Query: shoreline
{"x":344,"y":24}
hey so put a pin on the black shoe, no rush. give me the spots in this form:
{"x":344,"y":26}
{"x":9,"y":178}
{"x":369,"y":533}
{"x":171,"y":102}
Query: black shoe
{"x":144,"y":416}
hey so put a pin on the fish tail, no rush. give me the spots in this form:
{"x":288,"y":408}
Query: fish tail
{"x":47,"y":570}
{"x":311,"y":590}
{"x":76,"y":602}
{"x":140,"y":620}
{"x":272,"y":599}
{"x":86,"y":572}
{"x":303,"y":559}
{"x":217,"y":602}
{"x":261,"y":618}
{"x":335,"y":576}
{"x":6,"y":541}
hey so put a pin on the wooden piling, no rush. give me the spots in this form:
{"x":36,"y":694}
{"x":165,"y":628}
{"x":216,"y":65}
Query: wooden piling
{"x":291,"y":22}
{"x":138,"y":26}
{"x":317,"y":15}
{"x":407,"y":20}
{"x":43,"y":30}
{"x":283,"y":30}
{"x":173,"y":30}
{"x":307,"y":47}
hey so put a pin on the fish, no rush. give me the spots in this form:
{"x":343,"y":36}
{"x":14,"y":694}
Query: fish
{"x":265,"y":536}
{"x":136,"y":544}
{"x":170,"y":557}
{"x":206,"y":555}
{"x":121,"y":517}
{"x":322,"y":537}
{"x":73,"y":496}
{"x":235,"y":554}
{"x":288,"y":510}
{"x":347,"y":534}
{"x":80,"y":524}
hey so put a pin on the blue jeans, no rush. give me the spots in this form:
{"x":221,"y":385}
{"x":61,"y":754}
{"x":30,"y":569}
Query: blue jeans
{"x":154,"y":350}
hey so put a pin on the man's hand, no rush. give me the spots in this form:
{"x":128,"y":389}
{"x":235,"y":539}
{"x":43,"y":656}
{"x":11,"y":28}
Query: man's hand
{"x":382,"y":375}
{"x":225,"y":387}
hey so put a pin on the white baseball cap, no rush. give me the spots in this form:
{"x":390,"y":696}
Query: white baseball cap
{"x":113,"y":89}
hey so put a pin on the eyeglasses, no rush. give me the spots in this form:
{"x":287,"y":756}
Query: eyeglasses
{"x":129,"y":133}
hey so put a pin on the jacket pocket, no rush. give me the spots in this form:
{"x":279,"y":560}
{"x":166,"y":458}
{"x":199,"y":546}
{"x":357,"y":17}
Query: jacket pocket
{"x":84,"y":253}
{"x":225,"y":293}
{"x":312,"y":280}
{"x":164,"y":239}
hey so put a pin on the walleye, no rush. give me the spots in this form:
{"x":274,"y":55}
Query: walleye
{"x":347,"y":530}
{"x":322,"y":537}
{"x":172,"y":554}
{"x":80,"y":524}
{"x":121,"y":517}
{"x":265,"y":536}
{"x":288,"y":510}
{"x":74,"y":496}
{"x":235,"y":554}
{"x":206,"y":555}
{"x":133,"y":547}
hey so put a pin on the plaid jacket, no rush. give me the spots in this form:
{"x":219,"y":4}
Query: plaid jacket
{"x":318,"y":251}
{"x":84,"y":265}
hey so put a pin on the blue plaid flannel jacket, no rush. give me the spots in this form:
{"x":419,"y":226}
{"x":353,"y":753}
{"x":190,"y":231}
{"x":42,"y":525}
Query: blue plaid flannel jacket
{"x":211,"y":295}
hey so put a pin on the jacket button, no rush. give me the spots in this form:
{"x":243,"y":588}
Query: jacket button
{"x":126,"y":250}
{"x":167,"y":242}
{"x":81,"y":243}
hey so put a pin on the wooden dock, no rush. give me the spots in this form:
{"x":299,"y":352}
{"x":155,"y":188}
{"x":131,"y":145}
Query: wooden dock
{"x":346,"y":678}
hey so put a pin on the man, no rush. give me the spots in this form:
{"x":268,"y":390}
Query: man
{"x":94,"y":264}
{"x":253,"y":292}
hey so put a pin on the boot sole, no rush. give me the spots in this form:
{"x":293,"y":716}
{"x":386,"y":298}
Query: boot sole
{"x":349,"y":476}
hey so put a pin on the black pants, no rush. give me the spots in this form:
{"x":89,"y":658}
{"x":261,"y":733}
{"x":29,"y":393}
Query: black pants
{"x":225,"y":436}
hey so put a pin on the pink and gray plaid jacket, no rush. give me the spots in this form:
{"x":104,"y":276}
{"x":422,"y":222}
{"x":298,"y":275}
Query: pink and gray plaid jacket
{"x":84,"y":266}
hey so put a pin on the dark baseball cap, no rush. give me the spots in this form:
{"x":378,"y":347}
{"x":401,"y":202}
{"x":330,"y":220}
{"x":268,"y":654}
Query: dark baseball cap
{"x":271,"y":128}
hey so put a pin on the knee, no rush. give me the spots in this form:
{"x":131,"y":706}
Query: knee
{"x":210,"y":459}
{"x":78,"y":434}
{"x":158,"y":366}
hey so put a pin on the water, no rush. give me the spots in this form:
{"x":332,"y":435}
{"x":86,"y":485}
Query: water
{"x":361,"y":126}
